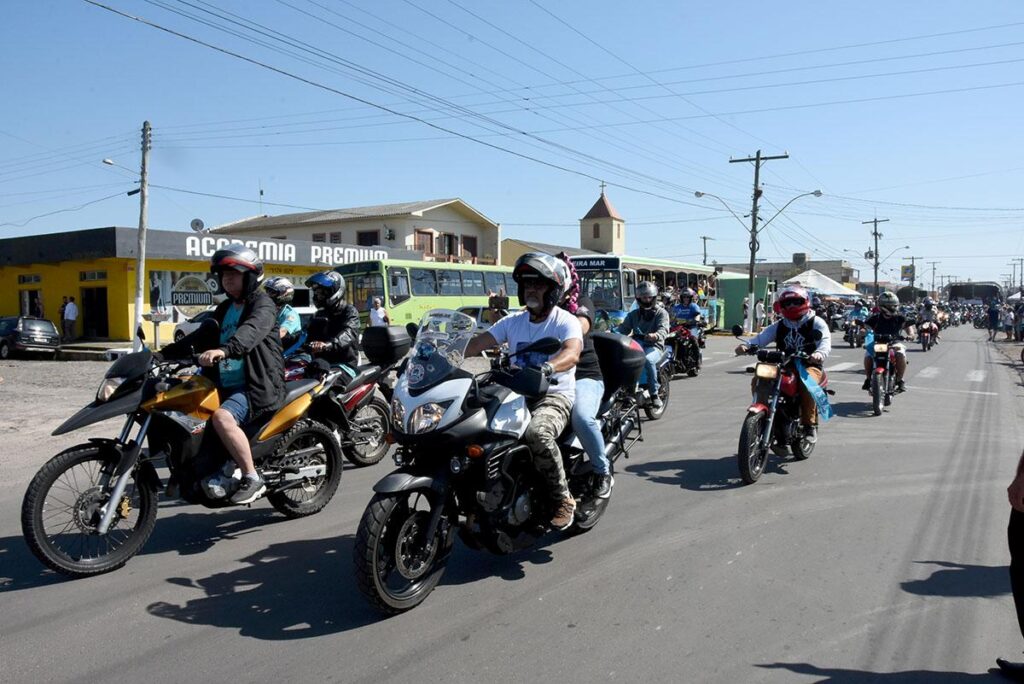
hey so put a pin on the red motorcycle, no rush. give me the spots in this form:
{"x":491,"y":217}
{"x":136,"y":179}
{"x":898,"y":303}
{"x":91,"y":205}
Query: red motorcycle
{"x":683,"y":345}
{"x":926,"y":333}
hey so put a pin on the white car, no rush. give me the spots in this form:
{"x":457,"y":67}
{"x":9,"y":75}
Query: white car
{"x":191,"y":325}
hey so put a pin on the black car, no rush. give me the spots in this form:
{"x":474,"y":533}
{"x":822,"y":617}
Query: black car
{"x":28,"y":334}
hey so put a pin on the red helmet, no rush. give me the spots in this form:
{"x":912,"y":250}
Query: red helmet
{"x":793,"y":303}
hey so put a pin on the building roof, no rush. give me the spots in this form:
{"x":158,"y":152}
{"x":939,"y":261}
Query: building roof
{"x":602,"y":209}
{"x":350,"y":214}
{"x":552,"y":249}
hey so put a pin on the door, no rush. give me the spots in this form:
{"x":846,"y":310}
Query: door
{"x":469,"y":247}
{"x":94,"y":312}
{"x":31,"y":303}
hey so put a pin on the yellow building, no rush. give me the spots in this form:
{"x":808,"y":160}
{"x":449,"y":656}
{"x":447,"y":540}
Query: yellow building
{"x":97,"y":268}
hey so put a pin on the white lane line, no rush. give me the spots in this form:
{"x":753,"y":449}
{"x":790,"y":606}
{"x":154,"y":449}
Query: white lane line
{"x":976,"y":376}
{"x":928,"y":390}
{"x":842,"y":366}
{"x":929,"y":372}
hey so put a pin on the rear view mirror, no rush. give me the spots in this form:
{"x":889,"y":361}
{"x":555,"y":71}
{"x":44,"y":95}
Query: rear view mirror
{"x":412,"y":329}
{"x":737,"y":330}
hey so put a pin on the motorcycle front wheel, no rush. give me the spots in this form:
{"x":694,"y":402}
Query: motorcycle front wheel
{"x":396,"y":568}
{"x":876,"y":394}
{"x":62,"y":510}
{"x":751,"y":456}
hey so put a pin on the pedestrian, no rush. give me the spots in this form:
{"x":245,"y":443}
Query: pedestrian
{"x":70,"y":316}
{"x":1008,"y":321}
{"x":1015,"y":539}
{"x":63,"y":324}
{"x":993,"y":319}
{"x":759,"y":314}
{"x":378,"y":314}
{"x":37,"y":307}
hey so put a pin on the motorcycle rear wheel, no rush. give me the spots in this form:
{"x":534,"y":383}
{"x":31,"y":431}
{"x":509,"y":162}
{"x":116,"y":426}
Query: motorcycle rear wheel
{"x":395,"y":568}
{"x":378,"y":413}
{"x":61,"y":510}
{"x":664,"y":390}
{"x":751,"y":456}
{"x":876,"y":394}
{"x":312,"y":496}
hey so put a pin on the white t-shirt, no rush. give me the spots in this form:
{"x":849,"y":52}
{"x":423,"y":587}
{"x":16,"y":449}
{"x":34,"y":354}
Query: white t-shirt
{"x":71,"y":312}
{"x":377,"y":316}
{"x":517,"y":330}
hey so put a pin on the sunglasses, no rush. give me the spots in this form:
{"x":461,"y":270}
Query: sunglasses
{"x":790,"y":303}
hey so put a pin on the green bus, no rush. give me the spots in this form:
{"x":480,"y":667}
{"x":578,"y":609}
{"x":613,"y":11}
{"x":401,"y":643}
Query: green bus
{"x":408,"y":289}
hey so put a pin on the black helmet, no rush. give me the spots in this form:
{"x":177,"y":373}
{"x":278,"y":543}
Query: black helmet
{"x":888,"y":301}
{"x":861,"y":303}
{"x":280,"y":290}
{"x":646,"y":290}
{"x":328,"y":288}
{"x":238,"y":257}
{"x":536,"y":265}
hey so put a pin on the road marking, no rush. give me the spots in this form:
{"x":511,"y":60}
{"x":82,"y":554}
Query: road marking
{"x":929,"y":372}
{"x":928,"y":390}
{"x":976,"y":376}
{"x":842,"y":366}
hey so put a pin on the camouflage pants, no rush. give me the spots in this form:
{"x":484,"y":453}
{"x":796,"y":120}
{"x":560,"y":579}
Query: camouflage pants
{"x":549,"y":416}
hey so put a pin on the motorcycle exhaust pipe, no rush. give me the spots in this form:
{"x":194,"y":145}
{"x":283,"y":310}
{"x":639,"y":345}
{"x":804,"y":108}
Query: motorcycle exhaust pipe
{"x":627,"y":427}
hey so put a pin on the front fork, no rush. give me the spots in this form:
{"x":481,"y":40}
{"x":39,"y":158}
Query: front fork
{"x":123,"y":472}
{"x":773,"y":402}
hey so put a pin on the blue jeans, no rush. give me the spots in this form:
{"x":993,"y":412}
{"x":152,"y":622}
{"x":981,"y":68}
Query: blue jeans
{"x":585,"y":423}
{"x":651,"y":367}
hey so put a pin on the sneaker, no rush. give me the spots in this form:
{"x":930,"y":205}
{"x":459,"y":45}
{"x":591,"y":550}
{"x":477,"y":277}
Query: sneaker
{"x":249,"y":490}
{"x":564,"y":514}
{"x":603,"y":486}
{"x":901,"y":386}
{"x":867,"y":385}
{"x":811,"y":434}
{"x":656,"y":402}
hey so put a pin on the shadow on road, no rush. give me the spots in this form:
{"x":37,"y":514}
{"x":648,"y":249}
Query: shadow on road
{"x":832,"y":675}
{"x":292,"y":590}
{"x":853,"y":409}
{"x":19,"y":569}
{"x":701,"y":474}
{"x":959,"y":580}
{"x":467,"y":565}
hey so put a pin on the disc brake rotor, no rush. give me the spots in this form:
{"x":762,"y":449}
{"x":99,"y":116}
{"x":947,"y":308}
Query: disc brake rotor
{"x":412,"y":559}
{"x":86,"y":510}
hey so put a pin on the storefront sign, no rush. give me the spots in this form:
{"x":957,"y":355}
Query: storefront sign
{"x":191,"y":295}
{"x":279,"y":251}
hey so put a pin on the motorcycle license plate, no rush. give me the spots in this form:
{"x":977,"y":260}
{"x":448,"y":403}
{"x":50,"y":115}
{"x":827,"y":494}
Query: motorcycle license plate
{"x":881,"y":348}
{"x":766,"y":371}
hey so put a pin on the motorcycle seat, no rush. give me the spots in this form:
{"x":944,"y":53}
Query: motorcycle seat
{"x":364,"y":375}
{"x":296,"y":388}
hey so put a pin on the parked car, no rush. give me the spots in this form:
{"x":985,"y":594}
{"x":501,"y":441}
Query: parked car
{"x":191,"y":325}
{"x":28,"y":334}
{"x":478,"y":314}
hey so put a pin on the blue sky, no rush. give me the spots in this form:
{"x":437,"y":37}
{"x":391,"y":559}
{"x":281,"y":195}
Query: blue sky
{"x":908,"y":111}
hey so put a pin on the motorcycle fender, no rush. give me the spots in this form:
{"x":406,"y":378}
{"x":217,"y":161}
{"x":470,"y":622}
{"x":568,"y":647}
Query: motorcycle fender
{"x":758,"y":408}
{"x":880,"y":370}
{"x":97,"y":411}
{"x":400,"y":481}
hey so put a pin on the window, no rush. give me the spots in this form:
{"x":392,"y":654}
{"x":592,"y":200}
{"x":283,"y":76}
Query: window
{"x":424,"y":281}
{"x":603,"y":288}
{"x":618,"y":230}
{"x":398,"y":285}
{"x":597,"y":230}
{"x":45,"y":327}
{"x":7,"y":325}
{"x":363,"y":288}
{"x":473,"y":283}
{"x":336,"y":238}
{"x":494,"y":282}
{"x":425,"y":242}
{"x":449,"y":282}
{"x":368,"y":238}
{"x":469,"y":246}
{"x":319,"y":237}
{"x":29,"y":279}
{"x":87,"y":276}
{"x":449,"y":244}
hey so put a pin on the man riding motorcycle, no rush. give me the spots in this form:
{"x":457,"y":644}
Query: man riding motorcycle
{"x":928,"y":314}
{"x":541,"y":284}
{"x":282,"y":292}
{"x":799,"y":329}
{"x":649,"y":324}
{"x":334,"y":331}
{"x":687,"y":309}
{"x":887,"y":321}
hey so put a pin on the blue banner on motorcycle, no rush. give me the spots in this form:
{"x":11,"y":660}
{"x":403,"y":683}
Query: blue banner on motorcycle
{"x":816,"y":391}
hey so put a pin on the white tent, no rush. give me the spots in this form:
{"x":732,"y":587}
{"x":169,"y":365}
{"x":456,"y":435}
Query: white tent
{"x":1014,"y":297}
{"x":822,"y":284}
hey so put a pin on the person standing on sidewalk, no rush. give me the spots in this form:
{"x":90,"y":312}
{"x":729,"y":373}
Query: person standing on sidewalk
{"x":1015,"y":538}
{"x":378,"y":314}
{"x":70,"y":317}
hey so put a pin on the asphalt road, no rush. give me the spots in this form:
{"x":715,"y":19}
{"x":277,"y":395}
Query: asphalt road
{"x":882,"y":558}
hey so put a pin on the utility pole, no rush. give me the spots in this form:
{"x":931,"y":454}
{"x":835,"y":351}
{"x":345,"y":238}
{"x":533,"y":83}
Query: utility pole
{"x":875,"y":234}
{"x":758,"y":160}
{"x":933,"y":275}
{"x":705,"y":238}
{"x":913,"y":274}
{"x":1019,"y":273}
{"x":140,"y":259}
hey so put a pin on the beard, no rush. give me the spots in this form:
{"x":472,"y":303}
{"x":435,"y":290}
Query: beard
{"x":534,"y":304}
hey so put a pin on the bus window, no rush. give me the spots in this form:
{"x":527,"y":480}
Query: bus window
{"x":449,"y":282}
{"x":494,"y":281}
{"x":630,"y":293}
{"x":473,"y":283}
{"x":510,"y":285}
{"x":603,"y":287}
{"x":424,"y":281}
{"x":398,"y":285}
{"x":363,"y":288}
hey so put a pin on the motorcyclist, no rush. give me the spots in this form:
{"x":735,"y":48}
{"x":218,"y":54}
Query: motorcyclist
{"x":858,"y":314}
{"x":687,"y":312}
{"x":541,"y":284}
{"x":244,"y":361}
{"x":888,"y":321}
{"x":282,"y":292}
{"x":798,"y":329}
{"x":334,"y":331}
{"x":928,"y":314}
{"x":589,"y":384}
{"x":649,"y":324}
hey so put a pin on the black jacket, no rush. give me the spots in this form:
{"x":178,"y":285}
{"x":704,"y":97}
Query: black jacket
{"x":340,"y":330}
{"x":256,"y":341}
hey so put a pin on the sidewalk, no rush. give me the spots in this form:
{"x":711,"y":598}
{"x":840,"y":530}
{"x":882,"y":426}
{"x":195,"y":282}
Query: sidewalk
{"x":89,"y":350}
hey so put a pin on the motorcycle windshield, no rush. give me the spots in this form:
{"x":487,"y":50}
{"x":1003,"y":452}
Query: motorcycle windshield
{"x":440,"y":347}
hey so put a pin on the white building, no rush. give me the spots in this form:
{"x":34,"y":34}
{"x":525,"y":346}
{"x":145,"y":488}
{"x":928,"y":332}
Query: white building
{"x":443,"y":229}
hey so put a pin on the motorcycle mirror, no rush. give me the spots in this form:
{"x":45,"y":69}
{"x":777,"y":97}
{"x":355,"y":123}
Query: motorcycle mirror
{"x":737,"y":330}
{"x":412,"y":329}
{"x":140,"y":334}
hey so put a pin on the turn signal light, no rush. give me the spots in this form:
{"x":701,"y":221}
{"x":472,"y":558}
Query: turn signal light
{"x":389,"y":438}
{"x":474,"y":451}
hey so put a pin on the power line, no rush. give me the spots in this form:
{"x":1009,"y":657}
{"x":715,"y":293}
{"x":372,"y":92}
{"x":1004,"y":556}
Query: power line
{"x":25,"y":222}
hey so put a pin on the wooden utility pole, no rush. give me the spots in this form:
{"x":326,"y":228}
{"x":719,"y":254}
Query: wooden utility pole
{"x":705,"y":238}
{"x":140,"y":259}
{"x":933,"y":263}
{"x":875,"y":234}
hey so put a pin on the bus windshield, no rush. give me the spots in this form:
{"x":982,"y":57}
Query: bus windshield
{"x":603,"y":287}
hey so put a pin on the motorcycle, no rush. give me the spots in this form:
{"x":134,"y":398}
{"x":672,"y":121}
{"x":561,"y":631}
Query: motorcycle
{"x":92,"y":507}
{"x":664,"y":370}
{"x":773,"y":419}
{"x":926,"y":335}
{"x":853,"y":333}
{"x":358,"y":416}
{"x":682,"y":347}
{"x":462,"y":466}
{"x":883,"y":373}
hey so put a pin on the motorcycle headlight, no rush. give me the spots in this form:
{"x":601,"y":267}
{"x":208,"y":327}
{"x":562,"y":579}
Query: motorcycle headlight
{"x":398,"y":414}
{"x":881,"y":348}
{"x":107,"y":388}
{"x":767,"y":371}
{"x":426,"y":417}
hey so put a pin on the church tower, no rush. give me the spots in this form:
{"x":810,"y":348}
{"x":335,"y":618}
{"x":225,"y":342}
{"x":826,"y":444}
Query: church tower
{"x":602,"y":229}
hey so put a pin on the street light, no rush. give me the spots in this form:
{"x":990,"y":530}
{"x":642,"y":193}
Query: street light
{"x":753,"y":239}
{"x":893,"y":252}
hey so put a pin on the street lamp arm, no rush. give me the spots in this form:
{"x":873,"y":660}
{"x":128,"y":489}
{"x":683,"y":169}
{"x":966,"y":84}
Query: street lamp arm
{"x":891,"y":253}
{"x":700,"y":194}
{"x":816,"y":193}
